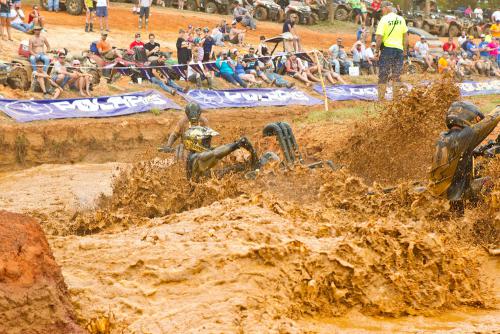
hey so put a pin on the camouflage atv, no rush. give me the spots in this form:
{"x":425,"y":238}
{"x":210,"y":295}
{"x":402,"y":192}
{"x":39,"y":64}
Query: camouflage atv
{"x":14,"y":75}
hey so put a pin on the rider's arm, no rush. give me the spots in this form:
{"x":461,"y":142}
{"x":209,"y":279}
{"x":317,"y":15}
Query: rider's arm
{"x":483,"y":128}
{"x":31,"y":48}
{"x":46,"y":42}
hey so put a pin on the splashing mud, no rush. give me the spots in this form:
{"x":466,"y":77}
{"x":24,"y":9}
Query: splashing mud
{"x":398,"y":142}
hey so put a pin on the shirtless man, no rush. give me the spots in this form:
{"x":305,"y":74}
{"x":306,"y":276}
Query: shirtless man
{"x":191,"y":118}
{"x":236,"y":35}
{"x":38,"y":46}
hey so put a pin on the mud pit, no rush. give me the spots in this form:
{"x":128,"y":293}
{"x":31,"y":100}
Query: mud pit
{"x":290,"y":252}
{"x":296,"y":251}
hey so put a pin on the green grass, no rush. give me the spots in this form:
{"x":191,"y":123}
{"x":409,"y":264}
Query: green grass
{"x":485,"y":103}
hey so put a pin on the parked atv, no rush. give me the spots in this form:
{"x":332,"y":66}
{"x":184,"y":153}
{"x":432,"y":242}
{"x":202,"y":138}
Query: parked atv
{"x":14,"y":76}
{"x":303,"y":12}
{"x":73,"y":7}
{"x":319,"y":11}
{"x":268,"y":10}
{"x":342,"y":10}
{"x":219,"y":6}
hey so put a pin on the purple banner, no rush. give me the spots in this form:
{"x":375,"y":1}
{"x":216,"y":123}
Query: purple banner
{"x":250,"y":97}
{"x":104,"y":106}
{"x":369,"y":92}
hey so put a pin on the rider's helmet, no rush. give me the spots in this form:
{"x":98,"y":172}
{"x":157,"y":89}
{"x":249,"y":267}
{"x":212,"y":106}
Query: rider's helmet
{"x":462,"y":114}
{"x":193,"y":113}
{"x":198,"y":138}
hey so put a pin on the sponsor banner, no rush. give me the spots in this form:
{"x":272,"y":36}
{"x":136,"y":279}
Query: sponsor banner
{"x":105,"y":106}
{"x":369,"y":92}
{"x":249,"y":97}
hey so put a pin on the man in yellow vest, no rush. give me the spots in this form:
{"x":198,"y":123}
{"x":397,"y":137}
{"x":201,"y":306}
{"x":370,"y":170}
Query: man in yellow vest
{"x":392,"y":45}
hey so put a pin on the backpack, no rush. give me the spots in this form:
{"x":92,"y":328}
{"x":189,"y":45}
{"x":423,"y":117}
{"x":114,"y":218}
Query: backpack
{"x":93,"y":48}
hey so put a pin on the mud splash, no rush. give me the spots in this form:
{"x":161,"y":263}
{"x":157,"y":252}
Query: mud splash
{"x":397,"y":143}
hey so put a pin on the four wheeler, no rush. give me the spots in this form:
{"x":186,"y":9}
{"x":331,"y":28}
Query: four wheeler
{"x":268,"y":10}
{"x":219,"y":6}
{"x":301,"y":11}
{"x":342,"y":10}
{"x":15,"y":75}
{"x":319,"y":11}
{"x":73,"y":7}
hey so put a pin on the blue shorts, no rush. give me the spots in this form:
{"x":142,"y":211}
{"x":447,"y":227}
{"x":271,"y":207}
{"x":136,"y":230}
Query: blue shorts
{"x":102,"y":11}
{"x":390,"y":65}
{"x":4,"y":14}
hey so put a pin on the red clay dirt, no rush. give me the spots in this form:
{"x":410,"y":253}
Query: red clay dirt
{"x":33,"y":296}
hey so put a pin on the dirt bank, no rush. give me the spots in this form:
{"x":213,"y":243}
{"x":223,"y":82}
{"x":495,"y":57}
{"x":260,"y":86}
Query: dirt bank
{"x":33,"y":295}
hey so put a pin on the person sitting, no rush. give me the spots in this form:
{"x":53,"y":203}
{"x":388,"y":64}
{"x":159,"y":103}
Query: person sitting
{"x":226,"y":70}
{"x":152,"y":48}
{"x":369,"y":59}
{"x":38,"y":45}
{"x":469,"y":47}
{"x":462,"y":38}
{"x":345,"y":63}
{"x":275,"y":79}
{"x":250,"y":61}
{"x":17,"y":19}
{"x":452,"y":175}
{"x":357,"y":51}
{"x":483,"y":66}
{"x":444,"y":63}
{"x":422,"y":53}
{"x":137,"y":43}
{"x":294,"y":69}
{"x":106,"y":51}
{"x":80,"y":80}
{"x":196,"y":77}
{"x":240,"y":70}
{"x":340,"y":65}
{"x":59,"y":73}
{"x":42,"y":83}
{"x":241,"y":15}
{"x":162,"y":79}
{"x":327,"y":70}
{"x":310,"y":69}
{"x":218,"y":35}
{"x":36,"y":18}
{"x":236,"y":36}
{"x":449,"y":46}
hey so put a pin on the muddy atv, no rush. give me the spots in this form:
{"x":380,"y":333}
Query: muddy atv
{"x":219,"y":6}
{"x":301,"y":11}
{"x":73,"y":7}
{"x":268,"y":10}
{"x":14,"y":76}
{"x":342,"y":11}
{"x":320,"y":12}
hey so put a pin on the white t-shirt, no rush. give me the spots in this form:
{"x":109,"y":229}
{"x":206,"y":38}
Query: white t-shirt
{"x":368,"y":54}
{"x":421,"y":49}
{"x":15,"y":18}
{"x":102,"y":3}
{"x":496,"y":15}
{"x":145,"y":3}
{"x":461,"y":40}
{"x":479,"y":13}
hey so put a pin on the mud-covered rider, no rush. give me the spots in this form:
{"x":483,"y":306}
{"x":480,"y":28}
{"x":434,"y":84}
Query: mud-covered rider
{"x":202,"y":157}
{"x":192,"y":117}
{"x":452,"y":170}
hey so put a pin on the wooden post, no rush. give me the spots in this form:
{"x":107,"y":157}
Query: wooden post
{"x":320,"y":71}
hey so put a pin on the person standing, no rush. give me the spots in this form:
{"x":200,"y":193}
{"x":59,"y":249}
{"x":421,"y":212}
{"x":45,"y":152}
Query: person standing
{"x":290,"y":33}
{"x":356,"y":8}
{"x":478,"y":13}
{"x":144,"y":13}
{"x":89,"y":15}
{"x":392,"y":44}
{"x":53,"y":5}
{"x":183,"y":48}
{"x":5,"y":20}
{"x":102,"y":14}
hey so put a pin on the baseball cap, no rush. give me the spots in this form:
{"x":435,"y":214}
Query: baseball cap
{"x":104,"y":33}
{"x":76,"y":62}
{"x":206,"y":29}
{"x":374,"y":43}
{"x":137,"y":35}
{"x":482,"y":36}
{"x":37,"y":28}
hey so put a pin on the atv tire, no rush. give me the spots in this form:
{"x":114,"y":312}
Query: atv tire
{"x":211,"y":8}
{"x":453,"y":31}
{"x":313,"y":19}
{"x":260,"y":13}
{"x":96,"y":76}
{"x":19,"y":78}
{"x":74,"y":7}
{"x":191,"y":5}
{"x":341,"y":14}
{"x":44,"y":4}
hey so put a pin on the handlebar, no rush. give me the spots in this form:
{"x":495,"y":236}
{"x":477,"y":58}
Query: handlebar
{"x":166,"y":149}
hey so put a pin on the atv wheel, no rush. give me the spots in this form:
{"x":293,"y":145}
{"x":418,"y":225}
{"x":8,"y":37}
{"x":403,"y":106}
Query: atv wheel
{"x":313,"y":19}
{"x":74,"y":7}
{"x":19,"y":78}
{"x":191,"y":5}
{"x":44,"y":4}
{"x":341,"y":14}
{"x":260,"y":13}
{"x":211,"y":8}
{"x":454,"y":31}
